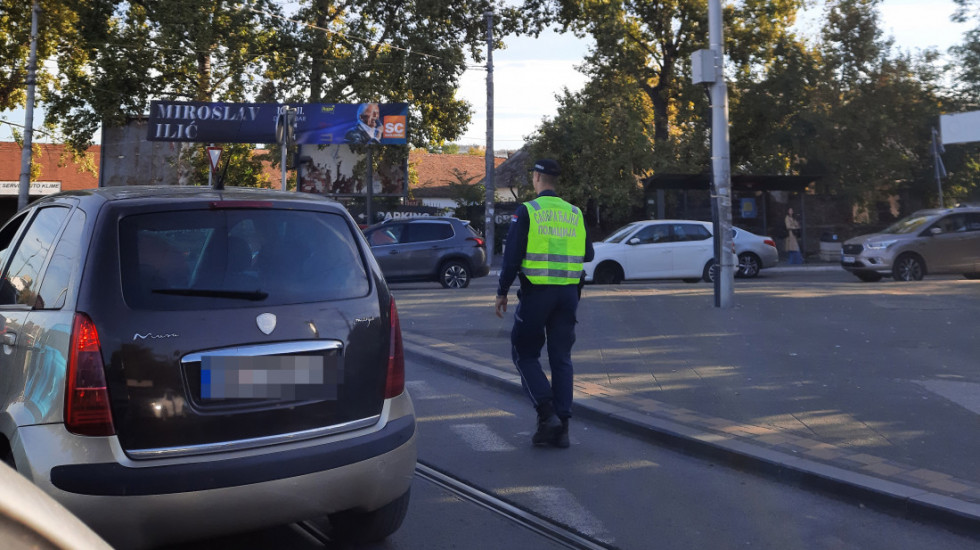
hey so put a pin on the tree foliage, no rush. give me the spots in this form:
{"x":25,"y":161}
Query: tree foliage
{"x":847,"y":108}
{"x":105,"y":60}
{"x":602,"y":139}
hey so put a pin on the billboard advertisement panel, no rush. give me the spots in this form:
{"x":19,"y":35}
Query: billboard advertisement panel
{"x":340,"y":170}
{"x":316,"y":123}
{"x":960,"y":127}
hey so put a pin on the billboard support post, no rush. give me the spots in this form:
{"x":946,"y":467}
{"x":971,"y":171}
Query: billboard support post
{"x":369,"y":198}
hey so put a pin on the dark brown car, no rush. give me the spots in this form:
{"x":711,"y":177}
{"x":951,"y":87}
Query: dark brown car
{"x":181,"y":363}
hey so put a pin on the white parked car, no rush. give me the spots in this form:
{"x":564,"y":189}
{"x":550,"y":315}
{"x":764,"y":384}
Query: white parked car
{"x":755,"y":252}
{"x":655,"y":249}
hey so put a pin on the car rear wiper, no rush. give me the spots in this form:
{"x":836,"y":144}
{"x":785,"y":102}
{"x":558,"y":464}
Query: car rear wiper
{"x":253,"y":295}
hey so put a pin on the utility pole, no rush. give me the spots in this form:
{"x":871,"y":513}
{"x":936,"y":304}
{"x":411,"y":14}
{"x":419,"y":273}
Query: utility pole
{"x":488,"y":180}
{"x":25,"y":158}
{"x":720,"y":161}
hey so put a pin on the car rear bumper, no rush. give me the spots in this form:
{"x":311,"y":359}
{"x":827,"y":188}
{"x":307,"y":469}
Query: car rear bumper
{"x":152,"y":502}
{"x":481,"y":270}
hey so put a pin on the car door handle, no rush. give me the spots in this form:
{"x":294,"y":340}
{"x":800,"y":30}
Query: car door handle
{"x":9,"y":338}
{"x":393,"y":252}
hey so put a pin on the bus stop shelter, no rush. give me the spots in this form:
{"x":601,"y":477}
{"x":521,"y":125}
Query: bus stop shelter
{"x":748,"y":191}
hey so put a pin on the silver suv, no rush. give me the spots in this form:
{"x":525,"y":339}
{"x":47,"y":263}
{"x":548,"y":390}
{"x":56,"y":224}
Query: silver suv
{"x":934,"y":241}
{"x":440,"y":249}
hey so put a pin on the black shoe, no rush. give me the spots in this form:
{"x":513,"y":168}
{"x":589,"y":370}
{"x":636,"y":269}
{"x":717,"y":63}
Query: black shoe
{"x":549,"y":425}
{"x":561,"y":440}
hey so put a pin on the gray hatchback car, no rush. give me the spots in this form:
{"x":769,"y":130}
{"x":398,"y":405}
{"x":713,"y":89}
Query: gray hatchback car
{"x":937,"y":241}
{"x":182,"y":362}
{"x":443,"y":249}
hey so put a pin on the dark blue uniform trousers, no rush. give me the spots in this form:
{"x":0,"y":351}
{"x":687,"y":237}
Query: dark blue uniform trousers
{"x":546,"y":312}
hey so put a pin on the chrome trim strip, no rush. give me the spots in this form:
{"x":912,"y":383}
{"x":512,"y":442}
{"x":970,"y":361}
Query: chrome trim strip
{"x":241,"y":444}
{"x":266,"y":349}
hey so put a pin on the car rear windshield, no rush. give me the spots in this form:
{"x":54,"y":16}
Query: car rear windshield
{"x":231,"y":258}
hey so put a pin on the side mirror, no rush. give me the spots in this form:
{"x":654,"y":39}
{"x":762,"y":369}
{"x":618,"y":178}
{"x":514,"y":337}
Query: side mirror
{"x":935,"y":231}
{"x":634,"y":240}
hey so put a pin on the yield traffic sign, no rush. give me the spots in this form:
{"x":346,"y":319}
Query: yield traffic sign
{"x":214,"y":153}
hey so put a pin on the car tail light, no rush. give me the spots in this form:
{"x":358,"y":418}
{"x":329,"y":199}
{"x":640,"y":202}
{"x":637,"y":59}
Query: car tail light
{"x":86,"y":398}
{"x":770,"y":242}
{"x":479,"y":241}
{"x":396,"y":357}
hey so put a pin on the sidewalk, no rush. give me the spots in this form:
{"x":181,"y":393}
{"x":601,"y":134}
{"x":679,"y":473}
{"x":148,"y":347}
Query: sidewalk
{"x":850,"y":388}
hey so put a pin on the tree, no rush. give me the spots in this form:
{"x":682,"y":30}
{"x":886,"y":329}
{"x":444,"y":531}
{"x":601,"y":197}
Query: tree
{"x":651,"y":42}
{"x":469,"y":197}
{"x":391,"y":51}
{"x":967,"y":55}
{"x":114,"y":56}
{"x":602,"y":140}
{"x":881,"y":108}
{"x":963,"y":160}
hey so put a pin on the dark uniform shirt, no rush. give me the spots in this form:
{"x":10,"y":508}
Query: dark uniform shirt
{"x":515,"y":247}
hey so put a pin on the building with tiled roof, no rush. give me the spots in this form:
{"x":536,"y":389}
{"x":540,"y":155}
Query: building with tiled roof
{"x":59,"y":172}
{"x":437,"y":171}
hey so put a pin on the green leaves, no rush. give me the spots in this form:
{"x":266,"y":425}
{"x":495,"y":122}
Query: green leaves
{"x":846,"y":108}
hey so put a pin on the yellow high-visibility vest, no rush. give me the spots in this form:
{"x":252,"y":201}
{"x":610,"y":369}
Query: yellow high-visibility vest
{"x":555,"y":242}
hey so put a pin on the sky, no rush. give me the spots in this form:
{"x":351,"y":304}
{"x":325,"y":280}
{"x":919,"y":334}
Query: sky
{"x":530,"y":72}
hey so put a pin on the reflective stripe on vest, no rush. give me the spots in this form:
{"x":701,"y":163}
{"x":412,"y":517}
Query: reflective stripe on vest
{"x":555,"y":242}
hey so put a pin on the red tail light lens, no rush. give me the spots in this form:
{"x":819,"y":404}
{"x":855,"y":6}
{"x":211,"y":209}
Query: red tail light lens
{"x":479,"y":241}
{"x":770,"y":242}
{"x":86,"y":398}
{"x":396,"y":357}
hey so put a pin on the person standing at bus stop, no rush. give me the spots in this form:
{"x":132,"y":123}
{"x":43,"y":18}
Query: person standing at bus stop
{"x":793,"y":254}
{"x":546,"y":246}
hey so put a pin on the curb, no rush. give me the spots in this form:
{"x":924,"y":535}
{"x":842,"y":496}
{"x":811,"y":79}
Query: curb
{"x":495,"y":271}
{"x":887,"y":496}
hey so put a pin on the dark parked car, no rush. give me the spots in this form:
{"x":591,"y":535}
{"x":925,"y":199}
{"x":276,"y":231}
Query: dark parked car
{"x":933,"y":241}
{"x":440,"y":249}
{"x":181,"y":363}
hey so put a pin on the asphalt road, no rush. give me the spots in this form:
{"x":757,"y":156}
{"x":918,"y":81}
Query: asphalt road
{"x":871,"y":386}
{"x":875,"y":382}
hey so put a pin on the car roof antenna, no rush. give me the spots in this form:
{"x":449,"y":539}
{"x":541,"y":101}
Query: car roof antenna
{"x":219,"y":182}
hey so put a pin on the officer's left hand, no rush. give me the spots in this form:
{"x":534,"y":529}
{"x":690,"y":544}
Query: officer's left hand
{"x":500,"y":305}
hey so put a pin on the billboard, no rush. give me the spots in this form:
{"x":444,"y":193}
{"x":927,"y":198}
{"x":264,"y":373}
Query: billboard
{"x":316,"y":123}
{"x":340,"y":170}
{"x":960,"y":128}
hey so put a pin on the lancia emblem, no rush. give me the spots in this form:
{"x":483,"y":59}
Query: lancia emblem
{"x":266,"y":322}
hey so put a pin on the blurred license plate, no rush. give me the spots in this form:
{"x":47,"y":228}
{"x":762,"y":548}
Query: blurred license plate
{"x":268,"y":377}
{"x":847,"y":259}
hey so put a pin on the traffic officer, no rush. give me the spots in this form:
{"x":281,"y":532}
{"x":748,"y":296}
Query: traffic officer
{"x":546,"y":246}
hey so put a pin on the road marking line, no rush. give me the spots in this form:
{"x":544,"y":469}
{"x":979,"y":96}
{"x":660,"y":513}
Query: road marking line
{"x":481,"y":438}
